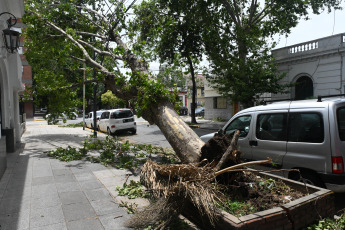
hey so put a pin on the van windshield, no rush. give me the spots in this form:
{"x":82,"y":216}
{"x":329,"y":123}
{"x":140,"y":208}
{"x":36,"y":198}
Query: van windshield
{"x":121,"y":114}
{"x":341,"y":123}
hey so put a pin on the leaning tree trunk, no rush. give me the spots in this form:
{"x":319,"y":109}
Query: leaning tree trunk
{"x":185,"y":142}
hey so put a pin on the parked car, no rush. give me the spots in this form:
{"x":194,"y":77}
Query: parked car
{"x":61,"y":117}
{"x":89,"y":120}
{"x":43,"y":110}
{"x":200,"y":112}
{"x":183,"y":110}
{"x":115,"y":120}
{"x":308,"y":135}
{"x":71,"y":115}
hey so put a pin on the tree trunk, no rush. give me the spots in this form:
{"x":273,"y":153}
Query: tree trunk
{"x":185,"y":142}
{"x":192,"y":113}
{"x":181,"y":137}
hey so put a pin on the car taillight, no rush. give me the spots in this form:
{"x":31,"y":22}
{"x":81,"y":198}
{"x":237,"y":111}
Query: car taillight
{"x":135,"y":123}
{"x":337,"y":165}
{"x":113,"y":126}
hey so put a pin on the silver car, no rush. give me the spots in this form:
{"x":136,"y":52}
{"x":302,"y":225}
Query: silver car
{"x":308,"y":135}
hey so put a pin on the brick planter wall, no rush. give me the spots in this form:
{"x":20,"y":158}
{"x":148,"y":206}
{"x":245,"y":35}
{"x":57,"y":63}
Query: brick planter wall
{"x":294,"y":215}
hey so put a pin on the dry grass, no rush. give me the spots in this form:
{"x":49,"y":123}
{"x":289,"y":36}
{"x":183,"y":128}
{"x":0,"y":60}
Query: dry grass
{"x":173,"y":185}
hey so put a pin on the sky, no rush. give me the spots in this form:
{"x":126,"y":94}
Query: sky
{"x":319,"y":26}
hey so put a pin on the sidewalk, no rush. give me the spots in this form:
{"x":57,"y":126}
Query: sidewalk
{"x":206,"y":124}
{"x":40,"y":193}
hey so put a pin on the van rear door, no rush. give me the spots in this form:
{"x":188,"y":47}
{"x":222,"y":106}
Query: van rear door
{"x":308,"y":143}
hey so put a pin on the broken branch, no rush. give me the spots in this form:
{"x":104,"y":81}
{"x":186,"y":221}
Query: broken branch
{"x":268,"y":161}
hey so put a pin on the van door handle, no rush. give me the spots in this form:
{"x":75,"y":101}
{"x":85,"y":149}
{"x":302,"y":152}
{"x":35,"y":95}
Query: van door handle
{"x":253,"y":143}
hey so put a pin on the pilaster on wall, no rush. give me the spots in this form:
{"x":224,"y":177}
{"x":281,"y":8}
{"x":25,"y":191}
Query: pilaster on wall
{"x":3,"y":160}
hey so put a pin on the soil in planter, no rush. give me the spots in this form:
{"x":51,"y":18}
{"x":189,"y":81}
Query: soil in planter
{"x":246,"y":192}
{"x":250,"y":193}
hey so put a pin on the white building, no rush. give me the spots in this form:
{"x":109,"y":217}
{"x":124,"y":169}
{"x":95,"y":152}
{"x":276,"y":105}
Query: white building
{"x":10,"y":85}
{"x":317,"y":67}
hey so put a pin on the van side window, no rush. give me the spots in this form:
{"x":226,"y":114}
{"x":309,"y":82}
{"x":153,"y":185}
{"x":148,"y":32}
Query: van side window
{"x":306,"y":127}
{"x":271,"y":127}
{"x":341,"y":123}
{"x":241,"y":123}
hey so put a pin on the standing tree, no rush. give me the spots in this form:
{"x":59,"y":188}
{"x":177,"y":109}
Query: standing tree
{"x":172,"y":35}
{"x":172,"y":76}
{"x":110,"y":100}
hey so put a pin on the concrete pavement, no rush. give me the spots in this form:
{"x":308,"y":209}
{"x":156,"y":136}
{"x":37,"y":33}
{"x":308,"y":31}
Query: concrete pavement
{"x":38,"y":192}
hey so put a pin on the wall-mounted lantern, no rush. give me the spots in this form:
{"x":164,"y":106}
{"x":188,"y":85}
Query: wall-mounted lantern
{"x":11,"y":37}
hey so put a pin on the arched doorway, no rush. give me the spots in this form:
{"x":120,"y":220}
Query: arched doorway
{"x":304,"y":88}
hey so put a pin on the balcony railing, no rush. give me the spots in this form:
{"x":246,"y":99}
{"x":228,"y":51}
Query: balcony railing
{"x":304,"y":47}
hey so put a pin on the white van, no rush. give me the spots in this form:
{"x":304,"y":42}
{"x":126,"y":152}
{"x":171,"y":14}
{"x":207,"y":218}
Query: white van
{"x":308,"y":135}
{"x":89,"y":119}
{"x":115,"y":120}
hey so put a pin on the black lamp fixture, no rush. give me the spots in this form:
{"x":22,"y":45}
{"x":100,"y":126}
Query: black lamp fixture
{"x":11,"y":37}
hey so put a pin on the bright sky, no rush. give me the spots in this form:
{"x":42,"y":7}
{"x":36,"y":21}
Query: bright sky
{"x":319,"y":26}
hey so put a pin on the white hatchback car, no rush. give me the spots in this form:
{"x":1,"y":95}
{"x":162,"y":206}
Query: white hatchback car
{"x":115,"y":120}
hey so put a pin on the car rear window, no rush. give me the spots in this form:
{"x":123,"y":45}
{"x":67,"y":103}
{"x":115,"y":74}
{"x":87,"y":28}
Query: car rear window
{"x":121,"y":114}
{"x":341,"y":123}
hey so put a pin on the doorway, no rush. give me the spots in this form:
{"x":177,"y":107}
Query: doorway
{"x":304,"y":88}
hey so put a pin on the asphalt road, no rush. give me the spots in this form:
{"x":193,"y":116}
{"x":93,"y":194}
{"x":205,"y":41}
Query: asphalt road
{"x":151,"y":134}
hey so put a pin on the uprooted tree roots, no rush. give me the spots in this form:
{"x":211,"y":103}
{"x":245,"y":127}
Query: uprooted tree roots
{"x":174,"y":185}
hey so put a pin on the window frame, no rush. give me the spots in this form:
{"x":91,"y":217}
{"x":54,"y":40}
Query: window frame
{"x":341,"y":135}
{"x":322,"y":128}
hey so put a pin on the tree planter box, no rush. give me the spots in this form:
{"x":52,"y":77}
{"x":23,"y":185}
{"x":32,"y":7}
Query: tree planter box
{"x":317,"y":203}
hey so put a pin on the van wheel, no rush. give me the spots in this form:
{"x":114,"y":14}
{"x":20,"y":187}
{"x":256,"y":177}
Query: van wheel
{"x":308,"y":178}
{"x":109,"y":132}
{"x":133,"y":131}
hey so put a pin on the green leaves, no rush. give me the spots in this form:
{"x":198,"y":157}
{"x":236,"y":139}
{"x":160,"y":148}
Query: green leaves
{"x":133,"y":190}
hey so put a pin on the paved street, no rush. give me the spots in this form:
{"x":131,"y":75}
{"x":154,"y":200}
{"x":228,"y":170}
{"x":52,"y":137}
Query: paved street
{"x":37,"y":192}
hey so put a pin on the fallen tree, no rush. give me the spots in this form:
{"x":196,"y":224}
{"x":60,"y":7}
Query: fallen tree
{"x":178,"y":184}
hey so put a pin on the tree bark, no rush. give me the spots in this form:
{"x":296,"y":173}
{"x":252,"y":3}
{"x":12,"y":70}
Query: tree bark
{"x":192,"y":113}
{"x":181,"y":137}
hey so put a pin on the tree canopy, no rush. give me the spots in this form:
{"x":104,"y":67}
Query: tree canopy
{"x":237,"y":37}
{"x":69,"y":33}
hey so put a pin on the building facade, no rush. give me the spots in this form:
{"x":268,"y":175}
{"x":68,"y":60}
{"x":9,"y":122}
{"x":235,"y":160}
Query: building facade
{"x":217,"y":106}
{"x":315,"y":68}
{"x":10,"y":86}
